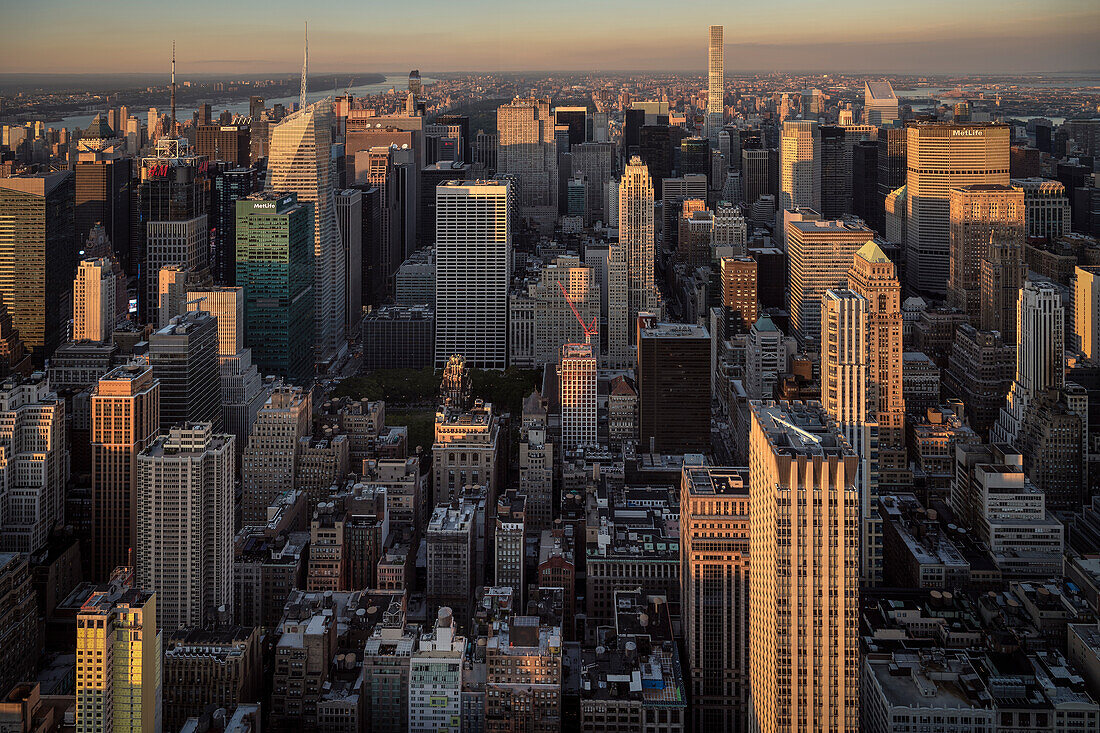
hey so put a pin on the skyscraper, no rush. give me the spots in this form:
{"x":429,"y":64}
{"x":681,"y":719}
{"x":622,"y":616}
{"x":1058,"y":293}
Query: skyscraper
{"x":184,"y":358}
{"x":636,"y":236}
{"x":185,"y":524}
{"x":804,"y":585}
{"x":984,"y":218}
{"x":820,"y":255}
{"x":473,"y":266}
{"x":577,"y":376}
{"x":300,"y":162}
{"x":125,"y":410}
{"x":35,"y":462}
{"x":275,"y":268}
{"x":714,"y":570}
{"x":942,"y":156}
{"x":716,"y":81}
{"x":1086,"y":310}
{"x":38,"y":257}
{"x":673,"y":387}
{"x":800,"y":165}
{"x":270,"y":462}
{"x":118,"y":661}
{"x":527,"y":149}
{"x":94,"y":301}
{"x":103,"y":174}
{"x":1040,"y":355}
{"x":739,"y":292}
{"x":880,"y":104}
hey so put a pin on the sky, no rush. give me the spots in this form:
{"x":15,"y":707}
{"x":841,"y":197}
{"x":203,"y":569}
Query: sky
{"x":247,"y":37}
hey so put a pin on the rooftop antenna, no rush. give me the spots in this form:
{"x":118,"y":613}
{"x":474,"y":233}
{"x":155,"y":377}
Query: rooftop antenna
{"x":305,"y":68}
{"x":173,"y":128}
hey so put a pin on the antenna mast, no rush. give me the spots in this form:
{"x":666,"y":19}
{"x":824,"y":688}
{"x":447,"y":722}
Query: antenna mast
{"x":173,"y":128}
{"x":305,"y":68}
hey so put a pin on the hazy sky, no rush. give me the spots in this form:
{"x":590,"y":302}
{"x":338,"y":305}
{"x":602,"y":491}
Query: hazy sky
{"x":232,"y":36}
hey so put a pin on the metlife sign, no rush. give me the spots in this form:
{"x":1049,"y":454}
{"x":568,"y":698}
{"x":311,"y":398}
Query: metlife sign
{"x":968,"y":132}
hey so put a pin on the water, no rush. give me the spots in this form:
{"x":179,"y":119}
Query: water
{"x":398,"y":82}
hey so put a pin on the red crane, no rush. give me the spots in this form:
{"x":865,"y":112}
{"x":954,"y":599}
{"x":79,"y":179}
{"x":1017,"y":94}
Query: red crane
{"x":589,"y":330}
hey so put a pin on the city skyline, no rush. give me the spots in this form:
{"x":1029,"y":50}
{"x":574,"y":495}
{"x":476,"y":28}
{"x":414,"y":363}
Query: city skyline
{"x":856,"y":35}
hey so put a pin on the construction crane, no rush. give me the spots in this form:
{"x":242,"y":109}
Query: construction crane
{"x":589,"y":330}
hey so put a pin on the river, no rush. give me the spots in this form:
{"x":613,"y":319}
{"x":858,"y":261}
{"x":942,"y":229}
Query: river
{"x":399,"y":82}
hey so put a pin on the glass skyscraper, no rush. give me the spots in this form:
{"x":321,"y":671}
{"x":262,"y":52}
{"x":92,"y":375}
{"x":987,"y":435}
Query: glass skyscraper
{"x":275,"y":268}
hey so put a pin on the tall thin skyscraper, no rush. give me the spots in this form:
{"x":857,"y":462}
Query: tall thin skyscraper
{"x":942,"y":156}
{"x":1040,"y":355}
{"x":716,"y":73}
{"x":300,"y":162}
{"x":800,"y":165}
{"x":527,"y":149}
{"x":125,"y":410}
{"x":185,"y":524}
{"x":472,"y":270}
{"x":714,"y":570}
{"x":94,"y":301}
{"x":577,"y":374}
{"x":1086,"y":310}
{"x":636,"y":236}
{"x":804,"y":585}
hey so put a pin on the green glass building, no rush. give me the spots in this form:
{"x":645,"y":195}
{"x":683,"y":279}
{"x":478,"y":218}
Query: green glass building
{"x":275,"y":268}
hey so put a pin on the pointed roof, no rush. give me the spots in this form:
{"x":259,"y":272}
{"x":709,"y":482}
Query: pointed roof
{"x":765,"y":323}
{"x":873,"y":253}
{"x":99,"y":129}
{"x":533,"y":404}
{"x":620,"y":387}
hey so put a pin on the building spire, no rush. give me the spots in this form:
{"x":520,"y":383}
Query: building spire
{"x":305,"y":68}
{"x":173,"y":127}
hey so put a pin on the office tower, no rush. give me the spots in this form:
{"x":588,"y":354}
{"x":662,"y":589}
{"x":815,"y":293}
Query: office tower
{"x":767,"y":353}
{"x":536,"y":464}
{"x":125,"y":418}
{"x":892,"y":171}
{"x":820,"y":254}
{"x":228,"y":143}
{"x":576,"y":198}
{"x":655,"y":144}
{"x":172,"y":221}
{"x":94,"y":301}
{"x":983,"y":217}
{"x":675,"y":192}
{"x":755,"y":173}
{"x":695,"y":157}
{"x":523,"y":683}
{"x":275,"y":268}
{"x":673,"y":387}
{"x":451,"y":536}
{"x":527,"y":149}
{"x":596,"y":162}
{"x":118,"y":661}
{"x":800,"y":165}
{"x":739,"y":276}
{"x":375,"y":167}
{"x":836,"y":177}
{"x":349,"y":212}
{"x":242,"y":388}
{"x":102,"y":186}
{"x":874,"y":277}
{"x":185,"y":524}
{"x":430,"y":177}
{"x":577,"y":377}
{"x":1040,"y":354}
{"x":716,"y":84}
{"x":880,"y":104}
{"x":636,"y":236}
{"x":865,"y":203}
{"x":979,"y":373}
{"x":714,"y":570}
{"x":459,"y":126}
{"x":20,"y":645}
{"x":813,"y":105}
{"x":35,"y":461}
{"x":228,"y":186}
{"x":942,"y":156}
{"x":1086,"y":310}
{"x":803,"y":614}
{"x":436,"y":678}
{"x":575,"y":120}
{"x":300,"y":162}
{"x":38,"y":257}
{"x":1046,"y":207}
{"x":473,"y":263}
{"x":184,"y":358}
{"x":269,"y":464}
